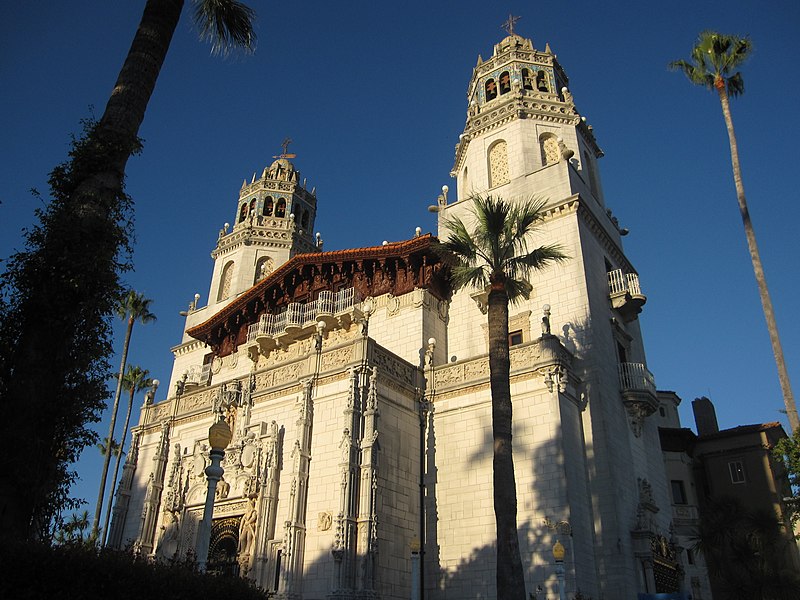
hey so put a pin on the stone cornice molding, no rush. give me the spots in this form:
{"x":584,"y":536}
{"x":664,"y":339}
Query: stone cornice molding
{"x":187,"y":347}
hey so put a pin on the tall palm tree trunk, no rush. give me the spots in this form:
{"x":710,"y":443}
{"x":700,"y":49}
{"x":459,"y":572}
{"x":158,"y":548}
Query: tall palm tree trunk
{"x":766,"y":302}
{"x":510,"y":576}
{"x":107,"y":458}
{"x":116,"y":466}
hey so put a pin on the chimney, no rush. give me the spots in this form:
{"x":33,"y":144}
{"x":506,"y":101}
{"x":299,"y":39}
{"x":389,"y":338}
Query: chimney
{"x":705,"y":417}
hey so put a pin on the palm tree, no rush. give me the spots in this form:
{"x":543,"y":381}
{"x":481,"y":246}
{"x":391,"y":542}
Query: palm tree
{"x":134,"y":307}
{"x":494,"y":255}
{"x":135,"y":380}
{"x":76,"y":254}
{"x":714,"y":61}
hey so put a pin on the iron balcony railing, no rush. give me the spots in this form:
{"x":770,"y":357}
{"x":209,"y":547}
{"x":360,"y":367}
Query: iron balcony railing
{"x":301,"y":315}
{"x":620,"y":282}
{"x":636,"y":377}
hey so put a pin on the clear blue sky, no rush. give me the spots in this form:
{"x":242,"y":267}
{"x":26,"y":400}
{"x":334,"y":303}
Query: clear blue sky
{"x":374,"y":96}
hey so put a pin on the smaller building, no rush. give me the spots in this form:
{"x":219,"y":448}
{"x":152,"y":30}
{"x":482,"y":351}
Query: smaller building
{"x":733,"y":463}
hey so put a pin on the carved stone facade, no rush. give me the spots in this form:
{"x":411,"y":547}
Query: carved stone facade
{"x":342,"y":408}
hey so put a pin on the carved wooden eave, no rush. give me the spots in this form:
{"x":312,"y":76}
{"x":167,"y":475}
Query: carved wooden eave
{"x":396,"y":268}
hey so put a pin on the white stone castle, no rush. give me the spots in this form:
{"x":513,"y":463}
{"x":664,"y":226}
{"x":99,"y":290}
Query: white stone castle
{"x":356,"y":386}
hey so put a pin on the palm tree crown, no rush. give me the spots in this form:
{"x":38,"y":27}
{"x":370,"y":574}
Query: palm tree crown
{"x":495,"y":253}
{"x":715,"y":59}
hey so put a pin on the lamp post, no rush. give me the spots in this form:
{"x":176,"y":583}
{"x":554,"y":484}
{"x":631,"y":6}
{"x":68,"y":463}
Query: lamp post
{"x":219,"y":436}
{"x":558,"y":555}
{"x":415,"y":569}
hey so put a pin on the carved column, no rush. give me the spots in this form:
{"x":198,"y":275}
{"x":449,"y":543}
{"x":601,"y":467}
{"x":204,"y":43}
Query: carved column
{"x":295,"y":528}
{"x":344,"y":547}
{"x":367,"y":517}
{"x":152,"y":499}
{"x":269,"y":480}
{"x":120,"y":512}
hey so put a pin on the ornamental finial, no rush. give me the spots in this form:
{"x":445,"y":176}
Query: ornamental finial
{"x":508,"y":25}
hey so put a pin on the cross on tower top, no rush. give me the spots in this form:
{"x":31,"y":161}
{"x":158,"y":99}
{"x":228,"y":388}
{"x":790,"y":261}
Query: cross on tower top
{"x":285,"y":146}
{"x":508,"y":25}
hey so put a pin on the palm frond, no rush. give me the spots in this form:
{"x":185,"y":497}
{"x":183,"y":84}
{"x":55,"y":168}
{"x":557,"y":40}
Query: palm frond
{"x":715,"y":57}
{"x":495,"y":249}
{"x":226,"y":24}
{"x":136,"y":379}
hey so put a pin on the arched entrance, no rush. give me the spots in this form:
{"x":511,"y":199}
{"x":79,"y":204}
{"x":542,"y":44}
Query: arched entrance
{"x":224,"y":547}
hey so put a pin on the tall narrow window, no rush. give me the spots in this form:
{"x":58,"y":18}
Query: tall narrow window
{"x":267,"y":206}
{"x":498,"y":164}
{"x":225,"y":282}
{"x":280,"y":208}
{"x":736,"y":469}
{"x":264,"y":267}
{"x":678,"y":492}
{"x":549,"y":145}
{"x":253,"y":206}
{"x":491,"y":90}
{"x":465,"y":183}
{"x":304,"y":222}
{"x":505,"y":82}
{"x":243,"y":212}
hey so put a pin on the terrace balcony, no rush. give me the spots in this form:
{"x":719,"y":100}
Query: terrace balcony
{"x":299,"y":320}
{"x":625,"y":294}
{"x":638,"y":390}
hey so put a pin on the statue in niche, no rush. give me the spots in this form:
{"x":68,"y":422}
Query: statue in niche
{"x":168,"y":544}
{"x":247,"y":529}
{"x":223,"y":489}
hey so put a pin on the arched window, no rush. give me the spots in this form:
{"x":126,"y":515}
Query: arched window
{"x":498,"y":164}
{"x":296,"y":211}
{"x":243,"y":212}
{"x":280,"y":208}
{"x":304,"y":222}
{"x":267,"y":210}
{"x":549,"y":146}
{"x":264,"y":267}
{"x":465,"y":183}
{"x":491,"y":90}
{"x":253,"y":206}
{"x":225,"y":282}
{"x":527,"y":80}
{"x":505,"y":82}
{"x":541,"y":82}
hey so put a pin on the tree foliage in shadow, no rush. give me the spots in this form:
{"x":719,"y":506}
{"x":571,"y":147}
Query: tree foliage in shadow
{"x":80,"y":571}
{"x":747,"y":552}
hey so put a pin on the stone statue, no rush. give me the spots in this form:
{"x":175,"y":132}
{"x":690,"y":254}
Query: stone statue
{"x":247,"y":528}
{"x":168,"y":544}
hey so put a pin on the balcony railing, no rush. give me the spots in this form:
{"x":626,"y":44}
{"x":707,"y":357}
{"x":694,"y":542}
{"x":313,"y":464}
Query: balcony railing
{"x":625,"y":294}
{"x":198,"y":374}
{"x":620,"y":282}
{"x":636,"y":377}
{"x":301,"y":315}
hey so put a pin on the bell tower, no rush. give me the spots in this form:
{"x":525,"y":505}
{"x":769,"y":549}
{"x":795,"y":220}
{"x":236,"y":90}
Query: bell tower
{"x":521,"y":122}
{"x":274,"y":220}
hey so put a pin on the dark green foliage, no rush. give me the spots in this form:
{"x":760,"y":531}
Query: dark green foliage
{"x":80,"y":571}
{"x":747,"y":552}
{"x":57,"y":298}
{"x":787,"y":451}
